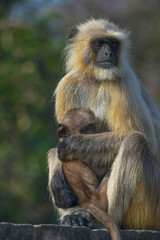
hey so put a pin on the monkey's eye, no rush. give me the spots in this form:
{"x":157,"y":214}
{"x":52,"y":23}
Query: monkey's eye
{"x":98,"y":44}
{"x":114,"y":43}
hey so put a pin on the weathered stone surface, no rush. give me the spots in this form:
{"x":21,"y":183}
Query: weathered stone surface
{"x":9,"y":231}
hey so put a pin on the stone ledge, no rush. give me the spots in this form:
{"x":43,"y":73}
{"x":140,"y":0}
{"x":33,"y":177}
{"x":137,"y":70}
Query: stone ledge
{"x":9,"y":231}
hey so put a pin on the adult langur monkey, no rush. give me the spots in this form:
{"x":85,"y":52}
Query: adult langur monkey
{"x":99,"y":77}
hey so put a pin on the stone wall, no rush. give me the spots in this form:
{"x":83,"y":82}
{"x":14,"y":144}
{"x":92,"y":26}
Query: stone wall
{"x":9,"y":231}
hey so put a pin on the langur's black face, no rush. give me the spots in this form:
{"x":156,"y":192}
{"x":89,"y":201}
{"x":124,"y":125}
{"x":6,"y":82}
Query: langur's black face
{"x":106,"y":52}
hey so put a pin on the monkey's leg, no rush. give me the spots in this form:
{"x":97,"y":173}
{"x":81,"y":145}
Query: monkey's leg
{"x":134,"y":169}
{"x":61,"y":193}
{"x":83,"y":182}
{"x":81,"y":179}
{"x":100,"y":199}
{"x":96,"y":148}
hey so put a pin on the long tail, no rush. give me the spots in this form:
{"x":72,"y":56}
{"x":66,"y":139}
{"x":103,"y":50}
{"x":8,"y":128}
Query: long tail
{"x":105,"y":219}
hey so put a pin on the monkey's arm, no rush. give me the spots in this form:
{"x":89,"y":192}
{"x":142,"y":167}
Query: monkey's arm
{"x":98,"y":148}
{"x":61,"y":104}
{"x":62,"y":194}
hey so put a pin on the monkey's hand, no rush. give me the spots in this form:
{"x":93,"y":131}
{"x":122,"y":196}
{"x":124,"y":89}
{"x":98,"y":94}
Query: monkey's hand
{"x":71,"y":147}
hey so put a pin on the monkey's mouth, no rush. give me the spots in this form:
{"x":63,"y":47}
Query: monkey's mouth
{"x":106,"y":64}
{"x":105,"y":61}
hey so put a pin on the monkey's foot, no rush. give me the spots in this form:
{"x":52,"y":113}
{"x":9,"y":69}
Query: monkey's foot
{"x":75,"y":220}
{"x":64,"y":197}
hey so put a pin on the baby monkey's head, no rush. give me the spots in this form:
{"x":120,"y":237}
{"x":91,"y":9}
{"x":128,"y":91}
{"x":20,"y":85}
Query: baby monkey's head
{"x":77,"y":121}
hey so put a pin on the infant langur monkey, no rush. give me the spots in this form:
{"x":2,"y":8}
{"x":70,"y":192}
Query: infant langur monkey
{"x":83,"y":181}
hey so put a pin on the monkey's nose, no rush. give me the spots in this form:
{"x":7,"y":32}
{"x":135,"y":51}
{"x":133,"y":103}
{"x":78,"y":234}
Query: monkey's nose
{"x":109,"y":54}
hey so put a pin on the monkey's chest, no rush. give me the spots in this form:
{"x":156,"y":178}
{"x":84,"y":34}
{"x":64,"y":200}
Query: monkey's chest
{"x":89,"y":96}
{"x":99,"y":104}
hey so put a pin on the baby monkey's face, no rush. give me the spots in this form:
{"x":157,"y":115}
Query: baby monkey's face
{"x":77,"y":121}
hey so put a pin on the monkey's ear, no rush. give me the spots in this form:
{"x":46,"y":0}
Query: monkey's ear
{"x":63,"y":131}
{"x":89,"y":128}
{"x":72,"y":33}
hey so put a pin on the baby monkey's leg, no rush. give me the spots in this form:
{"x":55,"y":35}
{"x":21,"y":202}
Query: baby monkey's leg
{"x":83,"y":182}
{"x":81,"y":179}
{"x":90,"y":196}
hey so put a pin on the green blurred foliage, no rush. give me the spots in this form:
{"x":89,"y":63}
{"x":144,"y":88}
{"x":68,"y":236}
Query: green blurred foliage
{"x":29,"y":71}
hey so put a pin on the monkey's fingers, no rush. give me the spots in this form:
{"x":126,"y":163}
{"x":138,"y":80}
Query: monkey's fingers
{"x":72,"y":147}
{"x":63,"y":150}
{"x":75,"y":220}
{"x":66,"y":149}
